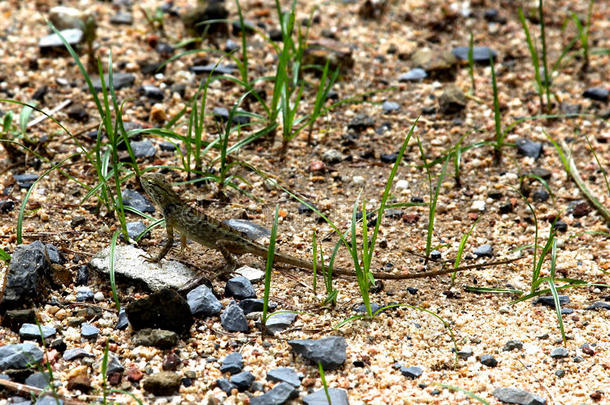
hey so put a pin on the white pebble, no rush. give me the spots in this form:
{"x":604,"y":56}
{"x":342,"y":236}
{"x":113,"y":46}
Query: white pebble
{"x":98,"y":296}
{"x":358,"y":180}
{"x":402,"y":185}
{"x":478,"y":205}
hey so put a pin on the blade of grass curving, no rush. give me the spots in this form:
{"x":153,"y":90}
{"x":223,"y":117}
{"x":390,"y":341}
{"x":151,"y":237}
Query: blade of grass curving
{"x":458,"y":257}
{"x":269,"y":267}
{"x":534,"y":56}
{"x":324,"y":384}
{"x":485,"y":290}
{"x":551,"y":282}
{"x":497,"y":117}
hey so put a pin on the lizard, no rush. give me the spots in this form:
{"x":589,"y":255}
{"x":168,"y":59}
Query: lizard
{"x":195,"y":225}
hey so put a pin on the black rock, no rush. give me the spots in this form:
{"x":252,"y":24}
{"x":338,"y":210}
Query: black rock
{"x":78,"y":113}
{"x":232,"y":363}
{"x":492,"y":15}
{"x":213,"y":68}
{"x":164,"y":309}
{"x":114,"y":365}
{"x":233,"y":319}
{"x":151,"y":68}
{"x":275,"y":35}
{"x":529,"y":148}
{"x":243,"y":380}
{"x":25,"y":180}
{"x":361,"y":309}
{"x":151,"y":92}
{"x":132,"y":198}
{"x":480,"y":54}
{"x":167,"y":146}
{"x":561,"y":226}
{"x":388,"y":157}
{"x":163,"y":339}
{"x":222,"y":114}
{"x":284,"y":374}
{"x":121,"y":18}
{"x":567,"y":311}
{"x":122,"y":322}
{"x":249,"y":27}
{"x":389,"y":107}
{"x":548,"y":301}
{"x":361,"y":122}
{"x":413,"y":75}
{"x":331,"y":351}
{"x":77,"y":353}
{"x":231,"y":46}
{"x":179,"y":88}
{"x":195,"y":20}
{"x":225,"y":385}
{"x":485,"y":250}
{"x":560,"y":373}
{"x":53,"y":43}
{"x":164,"y":49}
{"x":465,"y":352}
{"x":88,"y":331}
{"x":435,"y":255}
{"x":143,"y":149}
{"x":510,"y":395}
{"x":488,"y":360}
{"x":6,"y":206}
{"x":59,"y":345}
{"x":412,"y":290}
{"x":540,"y":195}
{"x":599,"y":305}
{"x":27,"y":275}
{"x":411,"y":372}
{"x":240,"y":288}
{"x":19,"y":356}
{"x":506,"y":208}
{"x":119,"y":81}
{"x":203,"y":302}
{"x":255,"y":305}
{"x":513,"y":345}
{"x":84,"y":294}
{"x":337,"y":397}
{"x":279,"y":395}
{"x":596,"y":93}
{"x":38,"y":380}
{"x":40,"y":93}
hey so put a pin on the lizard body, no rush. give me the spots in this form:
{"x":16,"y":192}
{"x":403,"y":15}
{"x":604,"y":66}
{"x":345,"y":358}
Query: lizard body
{"x":207,"y":231}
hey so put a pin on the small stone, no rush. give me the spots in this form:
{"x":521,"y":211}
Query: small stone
{"x":452,"y":100}
{"x":53,"y":43}
{"x":599,"y":305}
{"x":26,"y":180}
{"x":278,"y":395}
{"x":361,"y":122}
{"x":332,"y":156}
{"x":64,"y":18}
{"x":465,"y":352}
{"x":389,"y":107}
{"x":77,"y":353}
{"x":284,"y":374}
{"x":225,"y":385}
{"x":561,"y":226}
{"x":411,"y":372}
{"x":38,"y":380}
{"x":231,"y":46}
{"x":242,"y":380}
{"x":560,"y":353}
{"x":337,"y":397}
{"x":151,"y":92}
{"x":78,"y":113}
{"x":162,"y":339}
{"x":162,"y":383}
{"x":480,"y":54}
{"x":331,"y":351}
{"x":119,"y":81}
{"x":540,"y":195}
{"x":19,"y":356}
{"x":579,"y":209}
{"x":80,"y":382}
{"x":250,"y":305}
{"x":529,"y":148}
{"x":560,"y":373}
{"x":549,"y":301}
{"x":597,"y":94}
{"x":203,"y":302}
{"x":513,"y":345}
{"x":213,"y":68}
{"x":30,"y":331}
{"x":512,"y":395}
{"x":121,"y":18}
{"x":232,"y":363}
{"x":488,"y":360}
{"x":136,"y":200}
{"x":158,"y":114}
{"x":143,"y":149}
{"x":171,"y":362}
{"x":279,"y":322}
{"x":88,"y":331}
{"x":485,"y":250}
{"x":135,"y":229}
{"x":84,"y":294}
{"x":388,"y":157}
{"x":163,"y":309}
{"x":413,"y":75}
{"x":477,"y":206}
{"x":239,"y":288}
{"x":233,"y":319}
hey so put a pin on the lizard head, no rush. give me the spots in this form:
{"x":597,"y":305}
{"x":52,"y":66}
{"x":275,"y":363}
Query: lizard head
{"x":158,"y":189}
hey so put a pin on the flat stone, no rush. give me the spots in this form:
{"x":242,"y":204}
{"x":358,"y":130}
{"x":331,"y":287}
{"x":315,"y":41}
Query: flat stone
{"x":213,"y":68}
{"x":337,"y":397}
{"x":162,"y":383}
{"x":279,"y":395}
{"x":411,"y":372}
{"x":232,"y":363}
{"x":160,"y":338}
{"x":280,"y":321}
{"x":284,"y":374}
{"x":331,"y":351}
{"x":203,"y":302}
{"x":30,"y":331}
{"x":480,"y":54}
{"x":119,"y":81}
{"x":53,"y":42}
{"x":529,"y":148}
{"x":19,"y":356}
{"x":121,"y":18}
{"x":596,"y":93}
{"x":413,"y":75}
{"x":510,"y":395}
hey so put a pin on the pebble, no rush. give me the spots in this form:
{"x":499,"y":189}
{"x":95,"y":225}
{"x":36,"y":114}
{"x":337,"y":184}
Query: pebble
{"x":529,"y":148}
{"x":511,"y":395}
{"x":84,"y":294}
{"x":389,"y":107}
{"x":361,"y":122}
{"x":452,"y":100}
{"x":143,"y":149}
{"x":89,"y":331}
{"x":151,"y":92}
{"x":279,"y":395}
{"x":38,"y":380}
{"x":488,"y":360}
{"x":485,"y":250}
{"x":225,"y":385}
{"x":330,"y":351}
{"x":162,"y":309}
{"x":19,"y":356}
{"x":76,"y":353}
{"x":119,"y":81}
{"x":162,"y":383}
{"x":411,"y":372}
{"x":512,"y":345}
{"x":284,"y":374}
{"x":279,"y":322}
{"x":548,"y":300}
{"x":30,"y":331}
{"x":480,"y":54}
{"x":135,"y":229}
{"x":64,"y":18}
{"x":242,"y":380}
{"x":239,"y":288}
{"x":596,"y":93}
{"x":465,"y":352}
{"x":121,"y":18}
{"x":232,"y":363}
{"x":53,"y":42}
{"x":560,"y":353}
{"x":332,"y":156}
{"x":25,"y":180}
{"x":337,"y":397}
{"x":388,"y":157}
{"x":213,"y":68}
{"x":134,"y":199}
{"x":358,"y":180}
{"x":160,"y":338}
{"x":203,"y":302}
{"x":250,"y":305}
{"x":413,"y":75}
{"x":233,"y":319}
{"x":478,"y":205}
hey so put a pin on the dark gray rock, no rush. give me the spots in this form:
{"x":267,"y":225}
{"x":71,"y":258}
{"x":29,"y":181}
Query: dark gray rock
{"x":19,"y":356}
{"x":485,"y":250}
{"x":233,"y":319}
{"x":77,"y":353}
{"x":25,"y":180}
{"x":480,"y":54}
{"x":6,"y":206}
{"x":38,"y":380}
{"x":256,"y":305}
{"x":240,"y":288}
{"x":361,"y":309}
{"x":510,"y":395}
{"x":162,"y":383}
{"x":560,"y":353}
{"x":143,"y":149}
{"x":13,"y":319}
{"x":529,"y":148}
{"x":213,"y":68}
{"x":388,"y":157}
{"x":242,"y":380}
{"x":225,"y":385}
{"x":411,"y":372}
{"x":331,"y":351}
{"x":203,"y":302}
{"x":279,"y":395}
{"x":280,"y":321}
{"x":284,"y":374}
{"x":548,"y":300}
{"x":513,"y":345}
{"x":121,"y":18}
{"x":489,"y":360}
{"x":540,"y":195}
{"x":136,"y":200}
{"x":151,"y":92}
{"x":413,"y":75}
{"x":134,"y":229}
{"x":114,"y":365}
{"x":119,"y":81}
{"x":232,"y":363}
{"x":164,"y":309}
{"x":84,"y":294}
{"x":561,"y":226}
{"x":337,"y":397}
{"x":465,"y":352}
{"x":361,"y":122}
{"x":122,"y":322}
{"x":89,"y":331}
{"x":599,"y":305}
{"x":30,"y":331}
{"x":231,"y":46}
{"x":48,"y":400}
{"x":452,"y":100}
{"x":596,"y":93}
{"x":78,"y":113}
{"x":163,"y":339}
{"x":53,"y":43}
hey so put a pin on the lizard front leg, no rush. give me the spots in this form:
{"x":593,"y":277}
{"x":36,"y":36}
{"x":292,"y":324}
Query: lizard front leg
{"x":225,"y":247}
{"x":168,"y":244}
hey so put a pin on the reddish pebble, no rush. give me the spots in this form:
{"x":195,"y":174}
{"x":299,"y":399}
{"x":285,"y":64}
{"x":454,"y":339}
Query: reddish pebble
{"x":114,"y":378}
{"x":316,"y":166}
{"x":134,"y":374}
{"x":171,"y":362}
{"x":410,"y":218}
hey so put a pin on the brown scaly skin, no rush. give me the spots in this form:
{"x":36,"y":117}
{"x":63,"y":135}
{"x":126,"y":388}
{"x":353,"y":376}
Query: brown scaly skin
{"x":207,"y":231}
